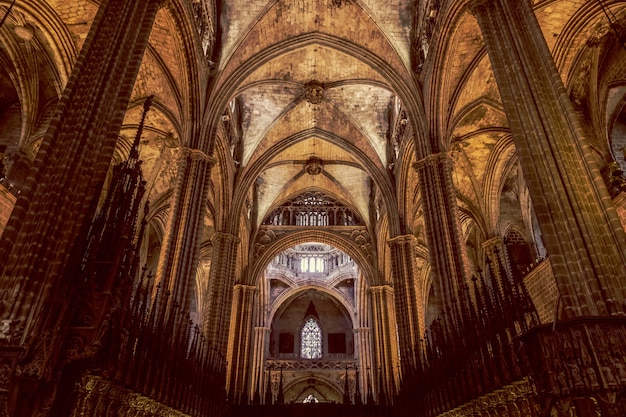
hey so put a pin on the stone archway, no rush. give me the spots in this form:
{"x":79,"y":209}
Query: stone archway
{"x":312,"y":389}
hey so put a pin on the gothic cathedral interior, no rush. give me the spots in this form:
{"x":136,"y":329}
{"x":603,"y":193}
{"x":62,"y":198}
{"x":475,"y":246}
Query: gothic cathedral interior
{"x":232,"y":208}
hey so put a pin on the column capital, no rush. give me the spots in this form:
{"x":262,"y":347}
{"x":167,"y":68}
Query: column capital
{"x":198,"y":155}
{"x":431,"y":160}
{"x":223,"y":236}
{"x":402,"y":239}
{"x":246,"y":288}
{"x":379,"y":289}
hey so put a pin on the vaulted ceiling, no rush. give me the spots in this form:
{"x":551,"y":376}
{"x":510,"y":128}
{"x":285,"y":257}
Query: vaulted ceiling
{"x":318,"y":85}
{"x":312,"y":90}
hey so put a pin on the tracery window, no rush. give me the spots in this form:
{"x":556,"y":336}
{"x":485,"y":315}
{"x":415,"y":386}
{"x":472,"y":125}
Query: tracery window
{"x":313,"y":209}
{"x":312,"y":264}
{"x":311,"y":340}
{"x":313,"y":260}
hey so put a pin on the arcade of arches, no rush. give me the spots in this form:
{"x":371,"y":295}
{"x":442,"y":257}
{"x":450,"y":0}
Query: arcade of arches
{"x":272,"y":207}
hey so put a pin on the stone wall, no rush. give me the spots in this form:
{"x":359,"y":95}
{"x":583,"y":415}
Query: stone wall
{"x":543,"y":291}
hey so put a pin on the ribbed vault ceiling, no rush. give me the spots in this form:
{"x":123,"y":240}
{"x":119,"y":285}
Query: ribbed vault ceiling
{"x":312,"y":99}
{"x":312,"y":79}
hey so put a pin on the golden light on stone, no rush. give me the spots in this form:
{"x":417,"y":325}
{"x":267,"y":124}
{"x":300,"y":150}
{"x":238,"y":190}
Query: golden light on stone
{"x":24,"y":32}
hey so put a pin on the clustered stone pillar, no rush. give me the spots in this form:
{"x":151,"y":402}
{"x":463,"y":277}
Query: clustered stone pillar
{"x":261,"y":341}
{"x":217,"y":310}
{"x":580,"y":228}
{"x":202,"y":278}
{"x":363,"y":348}
{"x":363,"y":337}
{"x":386,"y":349}
{"x":443,"y":227}
{"x":56,"y":203}
{"x":408,"y":301}
{"x":241,"y":338}
{"x":574,"y":361}
{"x":179,"y":255}
{"x":60,"y":193}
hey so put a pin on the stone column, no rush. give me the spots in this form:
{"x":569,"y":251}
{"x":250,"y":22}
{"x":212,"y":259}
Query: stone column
{"x":408,"y":301}
{"x":240,"y":343}
{"x":202,"y":279}
{"x":57,"y":202}
{"x":443,"y":227}
{"x":385,"y":342}
{"x":363,"y":348}
{"x":178,"y":260}
{"x":362,"y":335}
{"x":261,"y":341}
{"x":59,"y":199}
{"x":216,"y":315}
{"x":580,"y":228}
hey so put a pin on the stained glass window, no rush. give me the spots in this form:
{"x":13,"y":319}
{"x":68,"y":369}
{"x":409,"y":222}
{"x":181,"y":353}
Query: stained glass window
{"x":311,"y":342}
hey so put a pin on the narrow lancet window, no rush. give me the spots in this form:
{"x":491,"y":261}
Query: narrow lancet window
{"x":311,"y":342}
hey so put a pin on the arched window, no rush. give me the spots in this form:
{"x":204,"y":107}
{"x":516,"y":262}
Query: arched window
{"x":312,"y":208}
{"x":319,"y":265}
{"x":311,"y":340}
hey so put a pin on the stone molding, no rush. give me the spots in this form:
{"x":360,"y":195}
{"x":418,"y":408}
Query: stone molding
{"x":95,"y":390}
{"x":289,"y":364}
{"x":516,"y":398}
{"x":402,"y":239}
{"x":198,"y":155}
{"x":267,"y":236}
{"x":581,"y":357}
{"x":431,"y":160}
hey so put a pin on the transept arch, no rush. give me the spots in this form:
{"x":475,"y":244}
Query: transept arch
{"x":453,"y":71}
{"x":354,"y":242}
{"x":324,"y":389}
